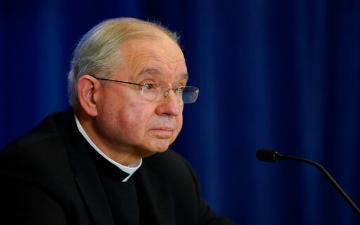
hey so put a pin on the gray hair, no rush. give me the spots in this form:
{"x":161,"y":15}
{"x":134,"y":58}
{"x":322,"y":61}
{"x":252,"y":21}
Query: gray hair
{"x":98,"y":52}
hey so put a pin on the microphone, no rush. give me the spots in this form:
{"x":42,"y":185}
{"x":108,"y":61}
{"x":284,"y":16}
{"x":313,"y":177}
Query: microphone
{"x":268,"y":155}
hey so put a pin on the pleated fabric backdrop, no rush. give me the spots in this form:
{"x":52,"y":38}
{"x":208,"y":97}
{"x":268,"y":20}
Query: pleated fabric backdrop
{"x":272,"y":73}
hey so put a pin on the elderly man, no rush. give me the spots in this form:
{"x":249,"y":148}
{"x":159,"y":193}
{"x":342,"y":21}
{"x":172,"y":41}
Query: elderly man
{"x":106,"y":161}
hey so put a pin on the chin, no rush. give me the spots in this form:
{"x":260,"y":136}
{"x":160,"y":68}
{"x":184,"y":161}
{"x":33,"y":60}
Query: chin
{"x":146,"y":153}
{"x":156,"y":148}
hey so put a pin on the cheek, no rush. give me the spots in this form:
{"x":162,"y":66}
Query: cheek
{"x":125,"y":118}
{"x":135,"y":118}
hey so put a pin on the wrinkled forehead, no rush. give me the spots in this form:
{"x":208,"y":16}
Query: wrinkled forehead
{"x":153,"y":57}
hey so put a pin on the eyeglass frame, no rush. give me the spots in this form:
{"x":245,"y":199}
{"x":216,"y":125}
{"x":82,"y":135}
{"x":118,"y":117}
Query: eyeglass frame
{"x":196,"y":89}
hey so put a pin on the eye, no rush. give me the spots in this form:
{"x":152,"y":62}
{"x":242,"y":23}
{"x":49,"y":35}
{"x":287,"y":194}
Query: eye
{"x":179,"y":90}
{"x":149,"y":85}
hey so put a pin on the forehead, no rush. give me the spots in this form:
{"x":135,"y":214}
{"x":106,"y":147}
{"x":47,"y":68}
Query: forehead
{"x":158,"y":56}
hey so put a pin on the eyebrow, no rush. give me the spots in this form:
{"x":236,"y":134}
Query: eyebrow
{"x":155,"y":71}
{"x":149,"y":70}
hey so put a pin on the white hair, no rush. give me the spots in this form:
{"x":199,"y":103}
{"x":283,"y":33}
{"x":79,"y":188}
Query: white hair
{"x":98,"y":52}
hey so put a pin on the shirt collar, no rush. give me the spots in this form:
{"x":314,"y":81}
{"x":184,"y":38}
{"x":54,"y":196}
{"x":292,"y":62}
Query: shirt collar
{"x":131,"y":169}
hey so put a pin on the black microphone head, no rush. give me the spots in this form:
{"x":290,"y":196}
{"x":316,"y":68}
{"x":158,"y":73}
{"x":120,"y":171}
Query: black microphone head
{"x":266,"y":155}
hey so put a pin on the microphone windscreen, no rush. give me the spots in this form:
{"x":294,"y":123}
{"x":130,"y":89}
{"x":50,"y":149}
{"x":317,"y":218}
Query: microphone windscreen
{"x":266,"y":155}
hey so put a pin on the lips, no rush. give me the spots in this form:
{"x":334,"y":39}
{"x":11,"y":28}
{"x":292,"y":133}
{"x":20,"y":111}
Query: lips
{"x":164,"y":128}
{"x":163,"y":132}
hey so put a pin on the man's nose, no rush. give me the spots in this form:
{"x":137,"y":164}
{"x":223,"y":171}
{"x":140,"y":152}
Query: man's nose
{"x":171,"y":104}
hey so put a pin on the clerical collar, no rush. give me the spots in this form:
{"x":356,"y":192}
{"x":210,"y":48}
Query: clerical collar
{"x":131,"y":169}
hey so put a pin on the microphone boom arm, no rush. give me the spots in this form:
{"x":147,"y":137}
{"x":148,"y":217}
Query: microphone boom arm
{"x":327,"y":174}
{"x":272,"y":156}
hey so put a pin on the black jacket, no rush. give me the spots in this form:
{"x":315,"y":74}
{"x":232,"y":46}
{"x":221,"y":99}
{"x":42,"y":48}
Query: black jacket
{"x":49,"y":177}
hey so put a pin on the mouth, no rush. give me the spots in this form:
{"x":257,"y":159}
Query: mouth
{"x":163,"y":132}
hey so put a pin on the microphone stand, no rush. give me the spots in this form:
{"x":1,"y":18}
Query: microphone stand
{"x":272,"y":156}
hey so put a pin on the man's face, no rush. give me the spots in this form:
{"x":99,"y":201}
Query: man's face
{"x":126,"y":121}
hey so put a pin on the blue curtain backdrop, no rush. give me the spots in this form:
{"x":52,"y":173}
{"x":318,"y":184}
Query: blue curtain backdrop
{"x":272,"y":73}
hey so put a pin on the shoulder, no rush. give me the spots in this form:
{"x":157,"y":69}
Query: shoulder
{"x":45,"y":130}
{"x":36,"y":156}
{"x":40,"y":142}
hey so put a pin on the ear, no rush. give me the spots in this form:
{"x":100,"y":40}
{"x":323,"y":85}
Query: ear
{"x":88,"y":91}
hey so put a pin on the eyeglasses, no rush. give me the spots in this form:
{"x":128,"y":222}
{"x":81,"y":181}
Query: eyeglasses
{"x":154,"y":92}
